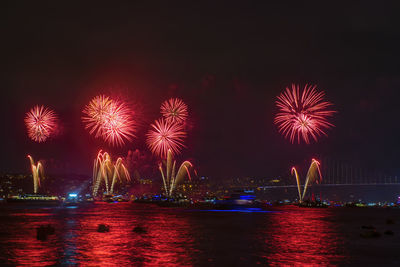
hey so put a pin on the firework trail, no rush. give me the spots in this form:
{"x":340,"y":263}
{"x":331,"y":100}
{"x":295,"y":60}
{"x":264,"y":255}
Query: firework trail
{"x":41,"y":123}
{"x":109,"y":119}
{"x":165,"y":135}
{"x":170,"y":177}
{"x":312,"y":174}
{"x":104,"y":170}
{"x":296,"y":175}
{"x":174,"y":110}
{"x":303,"y":114}
{"x":37,"y":172}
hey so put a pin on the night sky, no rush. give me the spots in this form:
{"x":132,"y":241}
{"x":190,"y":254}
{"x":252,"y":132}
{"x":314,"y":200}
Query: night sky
{"x":228,"y":61}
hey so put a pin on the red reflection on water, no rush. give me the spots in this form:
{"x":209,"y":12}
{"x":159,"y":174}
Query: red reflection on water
{"x":23,"y":247}
{"x":171,"y":241}
{"x":103,"y":248}
{"x":303,"y":236}
{"x":164,"y":242}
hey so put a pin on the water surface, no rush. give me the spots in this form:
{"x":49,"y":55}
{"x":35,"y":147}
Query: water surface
{"x":179,"y":237}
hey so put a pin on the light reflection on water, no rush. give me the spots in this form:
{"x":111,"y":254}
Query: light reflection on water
{"x":174,"y":237}
{"x":303,"y":237}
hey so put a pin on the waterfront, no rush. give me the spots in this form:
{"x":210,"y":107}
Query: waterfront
{"x":182,"y":237}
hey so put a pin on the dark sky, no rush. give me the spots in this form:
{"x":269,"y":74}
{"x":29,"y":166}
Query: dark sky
{"x":228,"y":61}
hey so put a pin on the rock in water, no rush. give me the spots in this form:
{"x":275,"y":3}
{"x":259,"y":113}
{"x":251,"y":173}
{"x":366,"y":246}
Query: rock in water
{"x":139,"y":230}
{"x":41,"y":233}
{"x":370,"y":234}
{"x":389,"y":232}
{"x":103,"y":228}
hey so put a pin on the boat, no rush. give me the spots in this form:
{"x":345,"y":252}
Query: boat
{"x":240,"y":200}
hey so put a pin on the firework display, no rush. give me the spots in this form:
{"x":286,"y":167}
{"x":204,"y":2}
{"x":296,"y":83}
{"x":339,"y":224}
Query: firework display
{"x":119,"y":124}
{"x":109,"y":119}
{"x":96,"y":114}
{"x":37,"y":173}
{"x":174,"y":110}
{"x":41,"y":123}
{"x":303,"y":114}
{"x":169,"y":175}
{"x":312,"y":174}
{"x":165,"y":135}
{"x":108,"y":172}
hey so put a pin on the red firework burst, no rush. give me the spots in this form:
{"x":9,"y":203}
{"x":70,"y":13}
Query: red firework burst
{"x":110,"y":119}
{"x":41,"y":123}
{"x":174,"y":110}
{"x":303,"y":114}
{"x":96,"y":114}
{"x":165,"y":135}
{"x":119,"y":124}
